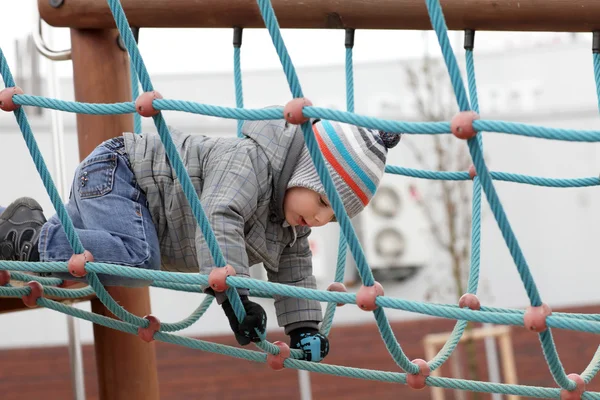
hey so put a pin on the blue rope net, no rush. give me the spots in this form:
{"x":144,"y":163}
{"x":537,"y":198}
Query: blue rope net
{"x":482,"y":184}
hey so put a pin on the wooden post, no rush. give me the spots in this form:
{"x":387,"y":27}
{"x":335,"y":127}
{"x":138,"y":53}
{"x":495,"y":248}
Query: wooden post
{"x":502,"y":333}
{"x":482,"y":15}
{"x":437,"y":393}
{"x":508,"y":365}
{"x":126,"y":364}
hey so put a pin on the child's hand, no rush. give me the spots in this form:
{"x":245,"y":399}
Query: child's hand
{"x":314,"y":344}
{"x":252,"y":328}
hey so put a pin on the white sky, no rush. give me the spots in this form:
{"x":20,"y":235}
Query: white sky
{"x":201,"y":50}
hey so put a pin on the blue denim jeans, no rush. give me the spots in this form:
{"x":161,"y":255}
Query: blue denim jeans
{"x":111,"y":217}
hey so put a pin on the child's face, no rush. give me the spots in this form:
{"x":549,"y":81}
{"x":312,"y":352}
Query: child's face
{"x":306,"y":207}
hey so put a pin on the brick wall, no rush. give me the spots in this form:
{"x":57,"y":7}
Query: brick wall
{"x":189,"y":374}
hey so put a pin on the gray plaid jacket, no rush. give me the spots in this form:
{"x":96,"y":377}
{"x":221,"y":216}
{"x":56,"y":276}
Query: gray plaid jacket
{"x":241,"y":184}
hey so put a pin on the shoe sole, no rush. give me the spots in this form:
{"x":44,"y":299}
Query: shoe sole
{"x":23,"y":201}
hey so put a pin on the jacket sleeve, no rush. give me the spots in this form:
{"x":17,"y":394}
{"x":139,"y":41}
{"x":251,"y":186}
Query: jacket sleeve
{"x":229,"y":197}
{"x":295,"y":269}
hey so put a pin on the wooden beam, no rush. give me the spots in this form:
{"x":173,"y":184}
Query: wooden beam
{"x":488,"y":15}
{"x":126,"y":365}
{"x":474,"y":334}
{"x":509,"y":366}
{"x":11,"y":304}
{"x":501,"y":333}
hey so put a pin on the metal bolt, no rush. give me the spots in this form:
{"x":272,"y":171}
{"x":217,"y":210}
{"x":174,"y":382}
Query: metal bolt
{"x":121,"y":43}
{"x":56,"y":3}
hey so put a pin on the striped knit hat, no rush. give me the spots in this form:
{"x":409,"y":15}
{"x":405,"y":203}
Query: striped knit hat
{"x":355,"y":158}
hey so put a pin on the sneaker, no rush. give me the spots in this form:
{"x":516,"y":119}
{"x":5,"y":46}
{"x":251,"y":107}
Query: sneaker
{"x":20,"y":226}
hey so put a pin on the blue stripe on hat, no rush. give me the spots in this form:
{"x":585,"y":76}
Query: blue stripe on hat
{"x":339,"y":145}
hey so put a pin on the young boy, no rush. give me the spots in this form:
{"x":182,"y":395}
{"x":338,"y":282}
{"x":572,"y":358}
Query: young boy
{"x":261,"y":194}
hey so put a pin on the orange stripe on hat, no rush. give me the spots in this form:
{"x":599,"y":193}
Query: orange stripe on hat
{"x":339,"y":169}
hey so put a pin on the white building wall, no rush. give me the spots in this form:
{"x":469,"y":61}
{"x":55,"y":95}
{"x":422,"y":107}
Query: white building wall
{"x":556,"y":228}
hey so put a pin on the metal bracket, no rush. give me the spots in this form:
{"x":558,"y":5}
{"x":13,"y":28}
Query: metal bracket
{"x":54,"y":55}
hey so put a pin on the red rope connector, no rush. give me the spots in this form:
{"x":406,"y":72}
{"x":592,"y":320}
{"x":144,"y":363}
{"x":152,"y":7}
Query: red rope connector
{"x":337,"y":287}
{"x":217,"y":279}
{"x":367,"y":296}
{"x":37,"y":291}
{"x":276,"y":361}
{"x":77,"y":262}
{"x":292,"y":112}
{"x":472,"y":172}
{"x":4,"y":278}
{"x":417,"y":381}
{"x":469,"y":300}
{"x":576,"y":393}
{"x":147,"y":334}
{"x":534,"y":318}
{"x":144,"y":106}
{"x":6,"y":98}
{"x":461,"y":124}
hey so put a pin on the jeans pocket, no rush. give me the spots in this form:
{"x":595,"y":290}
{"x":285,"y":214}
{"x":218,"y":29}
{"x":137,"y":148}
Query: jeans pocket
{"x":96,"y":176}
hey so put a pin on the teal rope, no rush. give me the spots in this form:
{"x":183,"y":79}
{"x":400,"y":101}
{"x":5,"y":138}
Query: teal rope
{"x":391,"y":343}
{"x":596,"y":59}
{"x":582,"y":322}
{"x":40,"y":164}
{"x":171,"y":150}
{"x":181,"y":287}
{"x":189,"y":321}
{"x":474,"y":144}
{"x":513,"y":128}
{"x":135,"y":92}
{"x":530,"y":391}
{"x":68,"y":293}
{"x":414,"y":128}
{"x":473,"y":281}
{"x":498,"y":176}
{"x":349,"y":81}
{"x":237,"y":73}
{"x":342,"y":243}
{"x":266,"y":10}
{"x":173,"y":155}
{"x":74,"y":106}
{"x":476,"y":203}
{"x":439,"y":25}
{"x":112,"y":305}
{"x":17,"y":276}
{"x":7,"y":291}
{"x":522,"y":390}
{"x":490,"y":315}
{"x":332,"y":194}
{"x":446,"y":351}
{"x":88,"y":316}
{"x":592,"y":370}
